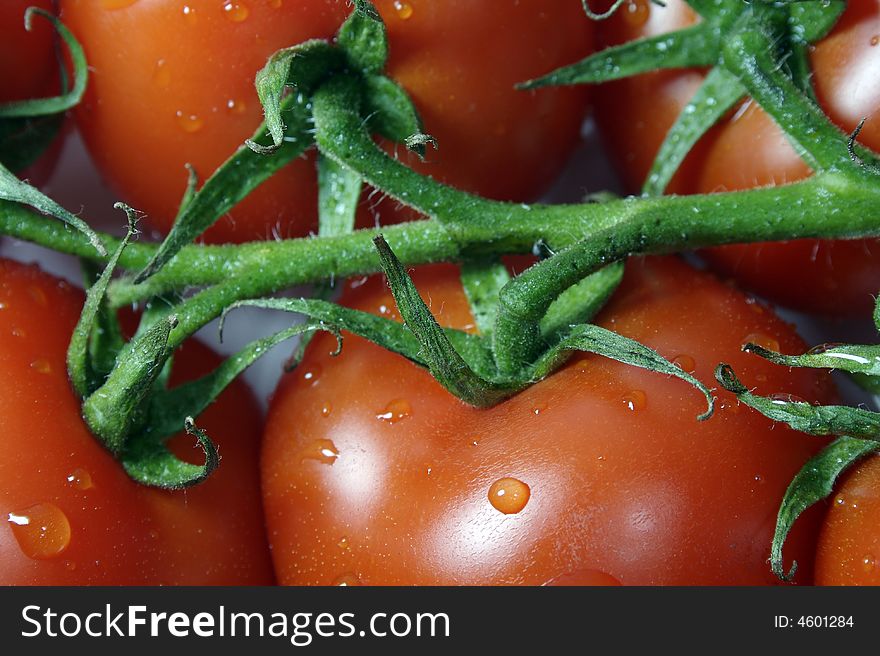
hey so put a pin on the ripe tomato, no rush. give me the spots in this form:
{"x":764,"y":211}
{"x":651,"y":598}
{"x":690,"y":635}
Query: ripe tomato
{"x":72,"y":516}
{"x":172,"y":82}
{"x":849,"y":543}
{"x":598,"y":474}
{"x":748,"y":150}
{"x":27,"y":58}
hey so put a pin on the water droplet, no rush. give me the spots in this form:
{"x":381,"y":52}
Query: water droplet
{"x":189,"y":13}
{"x":154,"y":534}
{"x":18,"y":332}
{"x":875,"y":39}
{"x":236,"y":11}
{"x":404,"y":9}
{"x":396,"y":410}
{"x":234,"y":106}
{"x":824,"y":348}
{"x":868,"y":563}
{"x":117,"y":4}
{"x":755,"y":305}
{"x":312,"y":374}
{"x":41,"y":366}
{"x":324,"y":451}
{"x":765,"y":341}
{"x":635,"y":400}
{"x":2,"y":305}
{"x":347,"y":579}
{"x":590,"y":577}
{"x":685,"y":363}
{"x":80,"y":479}
{"x":509,"y":495}
{"x":42,"y":531}
{"x":326,"y":409}
{"x":189,"y":123}
{"x":161,"y":75}
{"x":840,"y":500}
{"x":275,"y":4}
{"x":780,"y":398}
{"x":70,"y":565}
{"x":38,"y":295}
{"x":538,"y":409}
{"x":637,"y":12}
{"x":343,"y":543}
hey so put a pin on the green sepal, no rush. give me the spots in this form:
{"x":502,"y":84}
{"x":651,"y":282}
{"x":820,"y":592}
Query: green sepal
{"x":811,"y":20}
{"x":169,"y":408}
{"x":442,"y":359}
{"x":581,"y":302}
{"x":237,"y":177}
{"x":151,"y":463}
{"x":389,"y":109}
{"x":115,"y":410}
{"x":719,"y":92}
{"x":87,"y":363}
{"x":814,"y":482}
{"x":589,"y":338}
{"x":56,"y":104}
{"x":695,"y":46}
{"x":303,"y":67}
{"x":803,"y":416}
{"x":13,"y":189}
{"x":482,"y":281}
{"x":362,"y":37}
{"x":852,"y":358}
{"x":339,"y":191}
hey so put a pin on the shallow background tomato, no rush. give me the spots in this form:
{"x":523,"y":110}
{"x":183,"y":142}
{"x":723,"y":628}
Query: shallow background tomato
{"x":849,"y":544}
{"x":599,"y":473}
{"x":89,"y":523}
{"x":748,"y":150}
{"x":172,"y":82}
{"x":28,"y":67}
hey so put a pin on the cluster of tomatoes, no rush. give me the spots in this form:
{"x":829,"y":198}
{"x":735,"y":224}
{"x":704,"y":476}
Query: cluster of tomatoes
{"x":366,"y":470}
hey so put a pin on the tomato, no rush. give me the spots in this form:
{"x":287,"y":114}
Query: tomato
{"x":172,"y":82}
{"x":27,"y":58}
{"x":72,"y":516}
{"x":748,"y":150}
{"x":849,"y":544}
{"x":374,"y":474}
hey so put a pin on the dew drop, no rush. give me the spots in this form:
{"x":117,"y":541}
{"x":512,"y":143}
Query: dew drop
{"x":41,"y":366}
{"x":347,"y":579}
{"x":326,"y":409}
{"x":18,"y":332}
{"x":404,"y":9}
{"x":538,"y":409}
{"x":275,"y":4}
{"x":343,"y":543}
{"x":637,"y":12}
{"x":42,"y":531}
{"x":189,"y":123}
{"x":312,"y":374}
{"x":685,"y":363}
{"x":765,"y":341}
{"x":824,"y":348}
{"x":875,"y":39}
{"x":396,"y":410}
{"x":584,"y":577}
{"x":70,"y":565}
{"x":868,"y":563}
{"x":780,"y":398}
{"x":2,"y":305}
{"x":324,"y":451}
{"x":161,"y":75}
{"x":38,"y":295}
{"x":80,"y":479}
{"x":234,"y":106}
{"x":635,"y":400}
{"x":236,"y":11}
{"x":117,"y":4}
{"x":189,"y":13}
{"x":509,"y":495}
{"x":840,"y":500}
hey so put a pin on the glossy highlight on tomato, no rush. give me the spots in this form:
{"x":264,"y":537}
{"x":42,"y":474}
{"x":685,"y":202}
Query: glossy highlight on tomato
{"x":748,"y":150}
{"x":849,"y":544}
{"x":69,"y":515}
{"x":172,"y":83}
{"x":374,"y":474}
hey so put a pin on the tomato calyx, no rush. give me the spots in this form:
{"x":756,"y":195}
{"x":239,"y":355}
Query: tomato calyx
{"x":760,"y":50}
{"x":858,"y":428}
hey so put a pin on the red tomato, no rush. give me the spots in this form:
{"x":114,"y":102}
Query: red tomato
{"x":28,"y":66}
{"x":748,"y":150}
{"x":172,"y":82}
{"x":849,"y":544}
{"x":601,"y":473}
{"x":72,"y":516}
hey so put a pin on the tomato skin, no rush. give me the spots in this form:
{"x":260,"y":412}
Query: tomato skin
{"x":160,"y":97}
{"x":120,"y":533}
{"x":387,"y":481}
{"x":748,"y":150}
{"x":849,"y":543}
{"x":27,"y":58}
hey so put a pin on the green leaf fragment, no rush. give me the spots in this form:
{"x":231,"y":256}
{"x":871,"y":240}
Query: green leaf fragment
{"x":339,"y":191}
{"x":853,"y":358}
{"x":581,"y":302}
{"x":151,"y":463}
{"x":362,"y":37}
{"x":389,"y":110}
{"x":814,"y":482}
{"x":482,"y":281}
